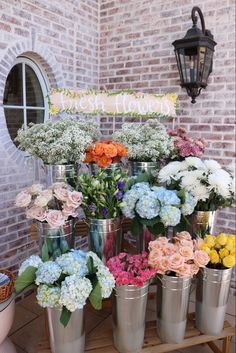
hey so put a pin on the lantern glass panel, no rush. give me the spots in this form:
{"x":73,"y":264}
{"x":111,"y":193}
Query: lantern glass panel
{"x":188,"y":62}
{"x":207,"y":65}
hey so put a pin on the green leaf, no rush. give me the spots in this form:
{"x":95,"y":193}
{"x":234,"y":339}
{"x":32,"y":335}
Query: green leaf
{"x":136,"y":227}
{"x":44,"y":252}
{"x":150,"y":222}
{"x":157,"y":228}
{"x":26,"y":279}
{"x":90,"y":265}
{"x":95,"y":297}
{"x":65,"y":316}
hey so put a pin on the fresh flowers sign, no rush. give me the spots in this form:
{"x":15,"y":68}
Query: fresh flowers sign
{"x":221,"y":250}
{"x":113,"y":103}
{"x":104,"y":153}
{"x":58,"y":142}
{"x":182,"y":258}
{"x":148,"y":142}
{"x":54,"y":205}
{"x":67,"y":282}
{"x":153,"y":206}
{"x":131,"y":269}
{"x":211,"y":186}
{"x":103,"y":194}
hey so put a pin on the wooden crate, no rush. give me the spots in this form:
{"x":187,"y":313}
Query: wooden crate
{"x":103,"y":343}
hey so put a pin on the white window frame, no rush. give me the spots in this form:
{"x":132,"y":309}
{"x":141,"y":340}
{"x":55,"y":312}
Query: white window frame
{"x":43,"y":84}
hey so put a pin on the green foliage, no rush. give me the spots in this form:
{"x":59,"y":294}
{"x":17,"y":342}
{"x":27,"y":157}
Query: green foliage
{"x":26,"y":279}
{"x":65,"y":316}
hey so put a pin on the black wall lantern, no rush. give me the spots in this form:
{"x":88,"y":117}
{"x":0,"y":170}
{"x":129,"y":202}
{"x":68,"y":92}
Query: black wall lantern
{"x":194,"y":55}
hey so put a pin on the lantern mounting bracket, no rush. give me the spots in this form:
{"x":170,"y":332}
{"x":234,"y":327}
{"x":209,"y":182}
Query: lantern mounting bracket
{"x":195,"y":18}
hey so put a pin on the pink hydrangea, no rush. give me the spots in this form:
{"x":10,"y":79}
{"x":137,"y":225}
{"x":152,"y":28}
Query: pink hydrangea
{"x":131,"y":269}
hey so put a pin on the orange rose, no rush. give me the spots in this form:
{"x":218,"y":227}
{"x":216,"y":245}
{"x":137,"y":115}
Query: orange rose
{"x":121,"y":149}
{"x":104,"y":161}
{"x":98,"y":148}
{"x":110,"y":150}
{"x":89,"y":157}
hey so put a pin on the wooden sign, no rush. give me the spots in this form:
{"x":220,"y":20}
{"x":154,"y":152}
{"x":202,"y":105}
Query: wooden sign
{"x":113,"y":103}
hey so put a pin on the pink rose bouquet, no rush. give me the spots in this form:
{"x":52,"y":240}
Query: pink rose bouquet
{"x":181,"y":258}
{"x":54,"y":206}
{"x":131,"y":269}
{"x":186,"y":146}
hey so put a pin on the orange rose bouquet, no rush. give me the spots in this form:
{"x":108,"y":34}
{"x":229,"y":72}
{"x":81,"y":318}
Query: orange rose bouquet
{"x":104,"y":153}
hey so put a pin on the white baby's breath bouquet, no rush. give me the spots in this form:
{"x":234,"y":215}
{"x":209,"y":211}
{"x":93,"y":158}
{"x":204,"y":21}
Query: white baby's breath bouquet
{"x":145,"y":142}
{"x":58,"y":142}
{"x":211,"y":185}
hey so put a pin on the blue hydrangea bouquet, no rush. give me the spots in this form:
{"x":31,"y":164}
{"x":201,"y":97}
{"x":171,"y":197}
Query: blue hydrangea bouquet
{"x":154,"y":206}
{"x":67,"y":282}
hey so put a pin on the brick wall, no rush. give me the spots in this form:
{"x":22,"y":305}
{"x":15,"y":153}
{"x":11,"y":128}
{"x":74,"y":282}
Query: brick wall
{"x":62,"y":38}
{"x":136,"y":53}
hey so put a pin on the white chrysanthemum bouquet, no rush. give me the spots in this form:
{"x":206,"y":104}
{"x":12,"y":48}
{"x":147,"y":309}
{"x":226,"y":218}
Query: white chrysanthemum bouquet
{"x":68,"y":282}
{"x":211,"y":186}
{"x":147,"y":142}
{"x":58,"y":142}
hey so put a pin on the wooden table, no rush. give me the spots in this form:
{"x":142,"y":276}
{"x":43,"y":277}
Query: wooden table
{"x":102,"y":342}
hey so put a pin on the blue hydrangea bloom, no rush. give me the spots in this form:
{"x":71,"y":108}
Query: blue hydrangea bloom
{"x":48,"y":272}
{"x":166,"y":197}
{"x":189,"y":204}
{"x":170,"y":216}
{"x":74,"y":262}
{"x":148,"y":206}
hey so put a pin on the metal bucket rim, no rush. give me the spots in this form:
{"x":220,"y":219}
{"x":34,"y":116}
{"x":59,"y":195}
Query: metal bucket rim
{"x":100,"y":220}
{"x":132,"y":287}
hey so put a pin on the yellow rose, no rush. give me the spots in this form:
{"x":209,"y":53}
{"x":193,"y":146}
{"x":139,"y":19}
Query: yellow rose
{"x":230,"y":245}
{"x":217,"y":246}
{"x":229,"y":261}
{"x":214,"y":257}
{"x":221,"y":239}
{"x":223,"y":253}
{"x":233,"y":253}
{"x":210,"y":240}
{"x":205,"y":248}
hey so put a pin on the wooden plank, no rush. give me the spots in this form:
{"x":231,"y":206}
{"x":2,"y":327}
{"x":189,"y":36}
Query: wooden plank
{"x":214,"y":347}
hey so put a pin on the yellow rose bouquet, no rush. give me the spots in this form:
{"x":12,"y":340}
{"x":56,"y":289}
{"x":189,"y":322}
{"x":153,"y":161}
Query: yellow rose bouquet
{"x":220,"y":249}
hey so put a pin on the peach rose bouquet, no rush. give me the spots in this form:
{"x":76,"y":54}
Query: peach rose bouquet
{"x":104,"y":153}
{"x":180,"y":257}
{"x":53,"y":207}
{"x":220,"y":249}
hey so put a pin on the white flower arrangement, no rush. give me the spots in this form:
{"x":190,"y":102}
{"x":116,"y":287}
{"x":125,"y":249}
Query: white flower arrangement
{"x":211,"y":186}
{"x":61,"y":286}
{"x":145,"y":142}
{"x":58,"y":142}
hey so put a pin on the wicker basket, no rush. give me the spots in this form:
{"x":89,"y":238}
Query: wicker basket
{"x":6,"y":290}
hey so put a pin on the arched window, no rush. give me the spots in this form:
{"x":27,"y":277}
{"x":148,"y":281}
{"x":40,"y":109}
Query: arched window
{"x":25,"y":96}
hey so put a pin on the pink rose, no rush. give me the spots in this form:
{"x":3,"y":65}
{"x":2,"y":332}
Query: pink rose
{"x":188,"y":243}
{"x":164,"y":265}
{"x":61,"y":194}
{"x":43,"y":198}
{"x":184,"y":271}
{"x":186,"y":252}
{"x":35,"y":189}
{"x":169,"y":249}
{"x":69,"y":211}
{"x":23,"y":199}
{"x":198,"y":243}
{"x":36,"y":212}
{"x":55,"y":219}
{"x":183,"y":236}
{"x":176,"y":261}
{"x":75,"y":199}
{"x":154,"y":258}
{"x":194,"y":269}
{"x":201,"y":258}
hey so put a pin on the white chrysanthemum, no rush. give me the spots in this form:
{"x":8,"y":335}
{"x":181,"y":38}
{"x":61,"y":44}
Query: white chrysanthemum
{"x":189,"y":178}
{"x":200,"y":192}
{"x":106,"y":281}
{"x":220,"y":181}
{"x":48,"y":297}
{"x":33,"y":261}
{"x":212,"y":165}
{"x":195,"y":162}
{"x":169,"y":171}
{"x":74,"y":292}
{"x":232,"y":186}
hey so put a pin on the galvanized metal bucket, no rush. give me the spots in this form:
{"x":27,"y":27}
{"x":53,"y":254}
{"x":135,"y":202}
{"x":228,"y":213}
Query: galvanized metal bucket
{"x":105,"y":237}
{"x":58,"y":240}
{"x":212,"y":295}
{"x":62,"y":173}
{"x":95,"y":169}
{"x":128,"y":317}
{"x":143,"y":240}
{"x":135,"y":168}
{"x":69,"y":339}
{"x":172,"y":307}
{"x":202,"y":223}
